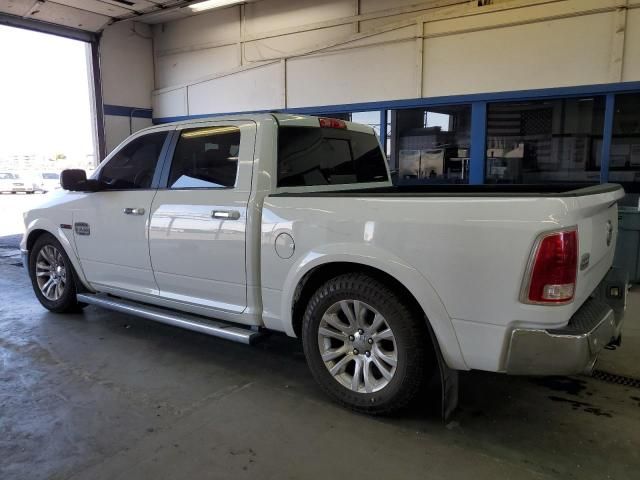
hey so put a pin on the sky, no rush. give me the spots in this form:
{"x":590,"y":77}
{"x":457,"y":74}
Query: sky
{"x":44,"y":95}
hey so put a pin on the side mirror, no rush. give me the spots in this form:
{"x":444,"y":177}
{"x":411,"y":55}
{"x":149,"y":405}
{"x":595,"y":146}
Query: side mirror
{"x":75,"y":180}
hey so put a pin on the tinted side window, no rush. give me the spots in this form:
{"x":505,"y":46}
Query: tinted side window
{"x":328,"y":156}
{"x":206,"y":158}
{"x":134,"y":165}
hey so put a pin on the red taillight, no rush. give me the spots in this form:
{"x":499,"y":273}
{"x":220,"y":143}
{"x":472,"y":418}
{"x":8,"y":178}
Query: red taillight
{"x":552,"y":274}
{"x":331,"y":123}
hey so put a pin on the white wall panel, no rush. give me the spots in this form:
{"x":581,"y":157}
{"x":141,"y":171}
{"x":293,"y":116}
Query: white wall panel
{"x":631,"y":67}
{"x":403,"y":33}
{"x":118,"y":128}
{"x":214,"y":27}
{"x":126,"y":64}
{"x":276,"y":47}
{"x":172,"y":103}
{"x":368,"y":6}
{"x":272,"y":15}
{"x":259,"y":88}
{"x":573,"y":51}
{"x":365,"y":74}
{"x":468,"y":49}
{"x":188,"y":67}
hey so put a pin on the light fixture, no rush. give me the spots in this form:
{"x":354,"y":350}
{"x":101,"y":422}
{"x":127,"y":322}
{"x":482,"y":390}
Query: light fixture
{"x":209,"y":4}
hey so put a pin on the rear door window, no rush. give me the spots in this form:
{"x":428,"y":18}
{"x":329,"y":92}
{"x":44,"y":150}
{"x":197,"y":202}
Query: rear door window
{"x":309,"y":156}
{"x":206,"y":158}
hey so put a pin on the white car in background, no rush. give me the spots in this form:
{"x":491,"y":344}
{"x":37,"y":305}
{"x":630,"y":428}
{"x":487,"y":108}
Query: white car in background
{"x":48,"y":181}
{"x":6,"y":182}
{"x":14,"y":183}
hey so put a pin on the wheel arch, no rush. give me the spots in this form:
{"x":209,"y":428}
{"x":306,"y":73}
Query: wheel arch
{"x":38,"y":228}
{"x":412,"y":286}
{"x":33,"y":235}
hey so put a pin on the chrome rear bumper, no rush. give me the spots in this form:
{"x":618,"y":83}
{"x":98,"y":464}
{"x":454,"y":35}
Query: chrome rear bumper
{"x":571,"y":350}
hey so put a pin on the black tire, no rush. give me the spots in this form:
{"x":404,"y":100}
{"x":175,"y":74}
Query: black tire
{"x":412,"y":344}
{"x":67,"y":302}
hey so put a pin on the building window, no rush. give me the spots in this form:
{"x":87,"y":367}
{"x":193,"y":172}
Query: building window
{"x":624,"y":160}
{"x":431,"y":145}
{"x":545,"y":141}
{"x":368,"y":118}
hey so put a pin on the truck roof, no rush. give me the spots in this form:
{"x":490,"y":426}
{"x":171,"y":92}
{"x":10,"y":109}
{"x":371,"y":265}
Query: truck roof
{"x":288,"y":119}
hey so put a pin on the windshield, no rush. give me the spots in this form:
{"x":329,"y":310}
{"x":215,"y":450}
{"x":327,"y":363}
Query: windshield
{"x":6,"y":176}
{"x":50,"y":176}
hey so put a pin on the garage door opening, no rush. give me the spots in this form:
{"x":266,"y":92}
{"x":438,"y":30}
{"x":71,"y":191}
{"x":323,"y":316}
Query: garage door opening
{"x":47,"y":122}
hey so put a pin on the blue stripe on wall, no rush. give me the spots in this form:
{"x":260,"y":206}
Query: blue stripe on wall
{"x":478,"y":113}
{"x":122,"y":111}
{"x":582,"y":90}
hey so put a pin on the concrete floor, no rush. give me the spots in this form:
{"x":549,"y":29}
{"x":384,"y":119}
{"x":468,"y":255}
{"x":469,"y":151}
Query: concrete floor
{"x":102,"y":395}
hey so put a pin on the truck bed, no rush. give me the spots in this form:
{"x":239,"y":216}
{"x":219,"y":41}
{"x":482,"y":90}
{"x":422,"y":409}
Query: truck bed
{"x":459,"y":190}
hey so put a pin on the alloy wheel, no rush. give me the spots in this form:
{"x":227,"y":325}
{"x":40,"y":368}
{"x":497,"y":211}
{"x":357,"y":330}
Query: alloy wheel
{"x":51,"y":272}
{"x":357,"y":346}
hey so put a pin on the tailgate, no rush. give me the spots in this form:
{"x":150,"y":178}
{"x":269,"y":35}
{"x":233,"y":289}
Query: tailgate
{"x":597,"y":218}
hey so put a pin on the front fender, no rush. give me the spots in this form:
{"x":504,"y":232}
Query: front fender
{"x":65,"y":239}
{"x":375,"y":257}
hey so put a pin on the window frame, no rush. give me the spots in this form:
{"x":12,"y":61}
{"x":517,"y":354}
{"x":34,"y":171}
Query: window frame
{"x":244,"y":173}
{"x":159,"y":164}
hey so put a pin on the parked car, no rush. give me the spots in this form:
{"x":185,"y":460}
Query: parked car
{"x":19,"y":182}
{"x":6,"y":182}
{"x":47,"y":181}
{"x":238,"y":225}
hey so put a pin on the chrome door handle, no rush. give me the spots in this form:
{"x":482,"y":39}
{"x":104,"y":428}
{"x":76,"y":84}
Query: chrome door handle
{"x":226,"y":214}
{"x":133,"y":211}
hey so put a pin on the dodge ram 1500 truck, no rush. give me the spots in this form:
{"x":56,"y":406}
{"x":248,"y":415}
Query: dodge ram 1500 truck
{"x":233,"y":226}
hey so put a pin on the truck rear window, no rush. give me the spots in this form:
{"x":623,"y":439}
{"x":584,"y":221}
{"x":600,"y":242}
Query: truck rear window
{"x":310,"y":156}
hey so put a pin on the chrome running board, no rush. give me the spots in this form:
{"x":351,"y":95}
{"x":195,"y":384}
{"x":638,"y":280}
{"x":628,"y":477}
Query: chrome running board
{"x":172,"y":317}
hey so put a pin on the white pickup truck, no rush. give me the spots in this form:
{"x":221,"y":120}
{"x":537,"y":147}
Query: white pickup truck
{"x":233,"y":226}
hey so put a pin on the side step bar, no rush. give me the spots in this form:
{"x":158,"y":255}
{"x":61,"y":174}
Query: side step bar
{"x":171,"y":317}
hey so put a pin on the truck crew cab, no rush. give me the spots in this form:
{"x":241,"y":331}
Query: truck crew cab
{"x":233,"y":226}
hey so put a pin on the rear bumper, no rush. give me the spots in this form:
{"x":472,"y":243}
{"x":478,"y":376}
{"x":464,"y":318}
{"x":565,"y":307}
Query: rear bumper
{"x":571,"y":350}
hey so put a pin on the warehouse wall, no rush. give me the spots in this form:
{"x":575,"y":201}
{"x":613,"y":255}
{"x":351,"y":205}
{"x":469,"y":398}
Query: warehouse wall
{"x":275,"y":54}
{"x":126,"y":64}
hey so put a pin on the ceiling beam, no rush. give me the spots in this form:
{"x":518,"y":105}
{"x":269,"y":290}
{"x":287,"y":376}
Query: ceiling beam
{"x":46,"y":27}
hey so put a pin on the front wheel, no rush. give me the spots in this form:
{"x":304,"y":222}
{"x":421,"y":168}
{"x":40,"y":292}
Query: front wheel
{"x":364,"y":346}
{"x":52,"y":275}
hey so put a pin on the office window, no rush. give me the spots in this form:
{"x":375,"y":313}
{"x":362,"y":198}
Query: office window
{"x":431,"y":145}
{"x":206,"y":158}
{"x":624,"y":160}
{"x":544,"y":141}
{"x":368,"y":118}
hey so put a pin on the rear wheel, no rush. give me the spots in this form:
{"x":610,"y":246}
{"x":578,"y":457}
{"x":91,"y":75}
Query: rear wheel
{"x":52,"y":275}
{"x":364,"y":346}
